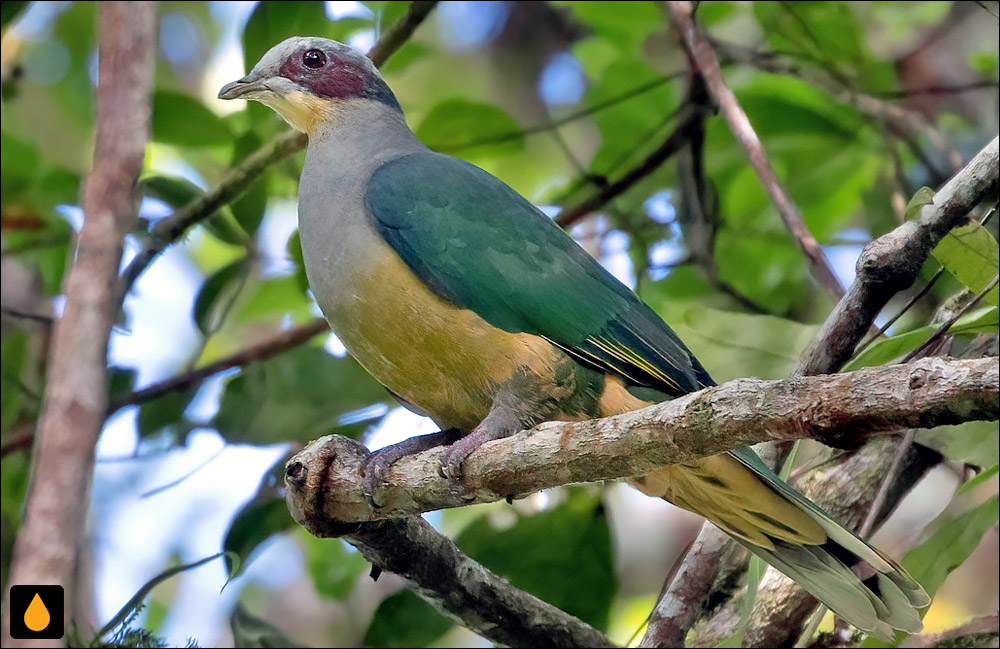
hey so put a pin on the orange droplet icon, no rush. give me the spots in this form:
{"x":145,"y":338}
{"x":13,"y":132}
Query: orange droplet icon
{"x":36,"y":617}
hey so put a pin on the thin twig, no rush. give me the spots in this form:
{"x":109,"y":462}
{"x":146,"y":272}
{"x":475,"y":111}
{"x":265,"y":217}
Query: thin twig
{"x":261,"y":351}
{"x":868,"y":525}
{"x":702,"y":54}
{"x":945,"y":326}
{"x":675,"y":141}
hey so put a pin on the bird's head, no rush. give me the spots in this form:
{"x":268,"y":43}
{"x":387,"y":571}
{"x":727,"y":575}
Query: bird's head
{"x":309,"y":81}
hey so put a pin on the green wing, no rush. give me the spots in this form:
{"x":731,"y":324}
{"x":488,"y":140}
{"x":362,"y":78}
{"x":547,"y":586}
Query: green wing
{"x":480,"y":245}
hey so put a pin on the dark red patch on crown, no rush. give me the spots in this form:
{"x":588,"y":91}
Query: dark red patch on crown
{"x":337,"y":79}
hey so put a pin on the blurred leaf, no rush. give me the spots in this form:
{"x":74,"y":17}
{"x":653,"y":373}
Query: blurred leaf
{"x":971,"y":254}
{"x":333,"y":566}
{"x":218,"y":294}
{"x":9,"y":10}
{"x":949,"y":547}
{"x":624,"y":24}
{"x":166,"y":412}
{"x":407,"y":54}
{"x":562,"y":556}
{"x":183,"y":120}
{"x":13,"y":352}
{"x":298,"y":395}
{"x":974,"y":442}
{"x":19,"y":166}
{"x":272,"y":22}
{"x":249,"y":207}
{"x":178,"y":192}
{"x":259,"y":519}
{"x":275,"y":298}
{"x":732,"y":344}
{"x":405,"y":620}
{"x":457,"y":122}
{"x":252,"y":632}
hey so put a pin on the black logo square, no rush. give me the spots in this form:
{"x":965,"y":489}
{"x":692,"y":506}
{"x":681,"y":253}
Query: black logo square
{"x":37,"y":612}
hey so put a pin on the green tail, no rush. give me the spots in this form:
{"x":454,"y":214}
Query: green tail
{"x":853,"y":579}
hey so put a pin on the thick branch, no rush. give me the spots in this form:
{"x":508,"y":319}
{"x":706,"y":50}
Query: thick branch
{"x":169,"y":230}
{"x":891,"y":263}
{"x":76,"y":393}
{"x":463,"y":589}
{"x":324,"y":480}
{"x":703,"y":56}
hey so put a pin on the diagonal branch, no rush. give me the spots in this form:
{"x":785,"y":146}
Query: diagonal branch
{"x":707,"y":63}
{"x":170,"y":229}
{"x":691,"y":118}
{"x":464,"y":590}
{"x":892,"y":262}
{"x":262,"y":351}
{"x":324,"y":481}
{"x":76,"y":394}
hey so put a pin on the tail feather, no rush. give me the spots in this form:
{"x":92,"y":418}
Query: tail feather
{"x":737,"y":492}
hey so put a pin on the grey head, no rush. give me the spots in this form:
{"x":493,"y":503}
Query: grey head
{"x":307,"y":80}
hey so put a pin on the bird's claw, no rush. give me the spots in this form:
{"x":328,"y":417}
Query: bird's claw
{"x":451,"y":467}
{"x":374,"y":478}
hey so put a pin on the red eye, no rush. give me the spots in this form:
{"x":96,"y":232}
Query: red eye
{"x":314,"y":59}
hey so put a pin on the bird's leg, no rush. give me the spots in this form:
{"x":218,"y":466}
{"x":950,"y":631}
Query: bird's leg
{"x":380,"y":461}
{"x":502,"y":421}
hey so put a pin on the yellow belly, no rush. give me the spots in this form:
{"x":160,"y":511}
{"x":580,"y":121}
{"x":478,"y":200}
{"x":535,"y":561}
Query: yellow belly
{"x":444,"y":360}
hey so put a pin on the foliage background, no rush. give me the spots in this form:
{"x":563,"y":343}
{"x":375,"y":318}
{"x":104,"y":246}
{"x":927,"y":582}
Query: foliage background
{"x":181,"y":476}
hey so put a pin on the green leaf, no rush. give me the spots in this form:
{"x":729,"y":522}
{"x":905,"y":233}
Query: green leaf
{"x":262,"y":517}
{"x":8,"y":10}
{"x":217,"y":295}
{"x":456,"y":123}
{"x":562,"y":556}
{"x":971,"y":254}
{"x":333,"y":566}
{"x":13,"y":352}
{"x":924,"y":196}
{"x":405,"y":620}
{"x":298,"y":395}
{"x":184,"y":121}
{"x":250,"y":206}
{"x":732,"y":344}
{"x":178,"y":192}
{"x":974,"y":442}
{"x":934,"y":559}
{"x":166,"y":412}
{"x":888,"y":348}
{"x":252,"y":632}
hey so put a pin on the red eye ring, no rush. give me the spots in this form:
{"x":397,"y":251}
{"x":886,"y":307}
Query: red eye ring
{"x":314,"y":59}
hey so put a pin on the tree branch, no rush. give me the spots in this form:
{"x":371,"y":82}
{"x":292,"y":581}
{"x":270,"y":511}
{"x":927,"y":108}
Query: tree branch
{"x":262,"y":351}
{"x":170,"y":229}
{"x":703,"y":56}
{"x":324,"y":480}
{"x":691,"y":118}
{"x":76,"y":394}
{"x":892,"y":262}
{"x":463,"y":589}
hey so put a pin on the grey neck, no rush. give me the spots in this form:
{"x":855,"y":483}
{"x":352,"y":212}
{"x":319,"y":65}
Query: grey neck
{"x":365,"y":131}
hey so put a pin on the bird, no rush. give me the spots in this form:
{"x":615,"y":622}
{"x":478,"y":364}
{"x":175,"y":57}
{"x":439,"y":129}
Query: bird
{"x":474,"y":308}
